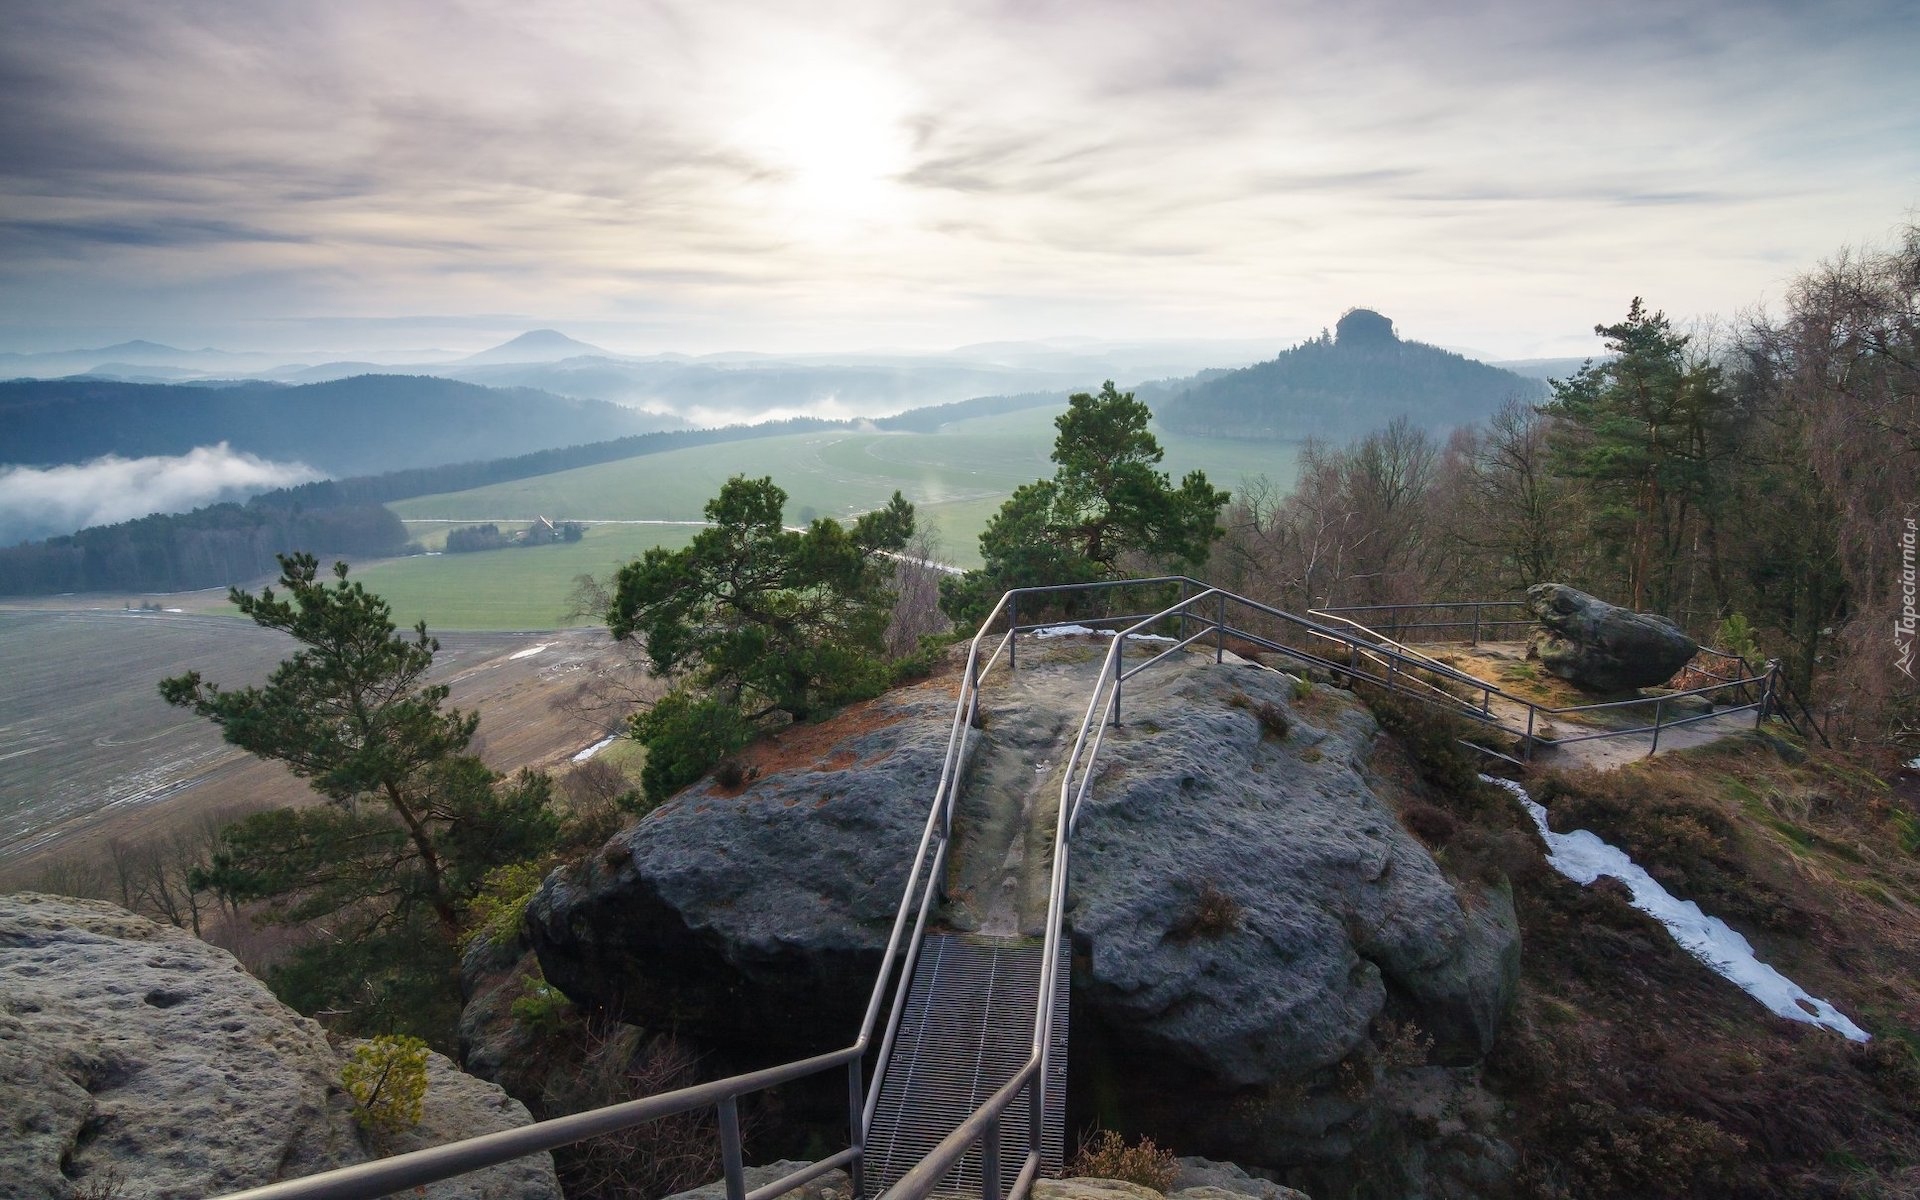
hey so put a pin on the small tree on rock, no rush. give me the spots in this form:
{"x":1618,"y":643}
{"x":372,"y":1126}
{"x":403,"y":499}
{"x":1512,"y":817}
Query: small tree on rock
{"x":1106,"y":502}
{"x":754,"y":621}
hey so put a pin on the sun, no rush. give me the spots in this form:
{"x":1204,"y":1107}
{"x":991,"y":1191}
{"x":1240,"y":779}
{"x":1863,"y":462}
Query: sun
{"x":835,"y":145}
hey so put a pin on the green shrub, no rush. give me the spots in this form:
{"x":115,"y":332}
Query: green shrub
{"x":685,"y":736}
{"x":1735,"y":636}
{"x":501,"y":903}
{"x":541,"y":1007}
{"x":387,"y":1081}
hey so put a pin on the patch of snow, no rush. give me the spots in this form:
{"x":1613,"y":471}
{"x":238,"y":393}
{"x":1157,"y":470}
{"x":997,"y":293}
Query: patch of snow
{"x":1053,"y":631}
{"x":178,"y":610}
{"x":530,"y":651}
{"x":1914,"y":763}
{"x":596,"y":748}
{"x":1583,"y":857}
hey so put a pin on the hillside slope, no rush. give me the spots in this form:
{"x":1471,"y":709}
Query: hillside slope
{"x":357,"y":426}
{"x":1343,"y":386}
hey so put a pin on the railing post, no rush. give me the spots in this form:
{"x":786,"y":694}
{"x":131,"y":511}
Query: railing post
{"x":1114,"y":719}
{"x":1220,"y":632}
{"x":1527,"y":754}
{"x":1658,"y":706}
{"x":1036,"y":1114}
{"x":856,"y":1104}
{"x":1013,"y":632}
{"x":730,"y":1164}
{"x":990,"y":1161}
{"x":1766,"y":695}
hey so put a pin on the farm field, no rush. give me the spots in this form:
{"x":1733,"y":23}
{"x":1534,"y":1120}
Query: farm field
{"x":834,"y":473}
{"x":88,"y":750}
{"x":957,"y":478}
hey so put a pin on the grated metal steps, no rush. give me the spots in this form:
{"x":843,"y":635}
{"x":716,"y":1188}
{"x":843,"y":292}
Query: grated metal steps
{"x":967,"y":1028}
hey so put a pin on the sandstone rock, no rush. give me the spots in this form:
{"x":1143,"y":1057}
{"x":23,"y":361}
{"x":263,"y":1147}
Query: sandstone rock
{"x":1199,"y":1175}
{"x":133,"y":1052}
{"x":1083,"y":1188}
{"x":1337,"y":905}
{"x":457,"y":1105}
{"x":834,"y":1185}
{"x":754,"y":918}
{"x":1594,"y":645}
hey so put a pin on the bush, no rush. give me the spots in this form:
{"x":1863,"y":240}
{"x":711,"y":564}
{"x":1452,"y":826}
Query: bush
{"x":1106,"y":1155}
{"x":387,"y":1080}
{"x":685,"y":736}
{"x":501,"y":904}
{"x":541,"y":1007}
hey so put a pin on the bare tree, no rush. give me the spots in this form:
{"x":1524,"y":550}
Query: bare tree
{"x":1514,"y":514}
{"x":917,"y":571}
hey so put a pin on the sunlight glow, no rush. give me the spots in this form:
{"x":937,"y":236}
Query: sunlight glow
{"x":831,"y":133}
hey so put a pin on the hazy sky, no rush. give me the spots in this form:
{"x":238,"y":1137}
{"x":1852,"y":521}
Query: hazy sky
{"x":717,"y":174}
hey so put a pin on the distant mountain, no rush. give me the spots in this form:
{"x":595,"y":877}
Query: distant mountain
{"x":538,"y":345}
{"x":358,"y":426}
{"x":1340,"y":386}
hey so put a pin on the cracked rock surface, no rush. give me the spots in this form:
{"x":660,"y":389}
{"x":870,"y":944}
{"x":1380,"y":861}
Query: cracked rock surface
{"x":137,"y":1061}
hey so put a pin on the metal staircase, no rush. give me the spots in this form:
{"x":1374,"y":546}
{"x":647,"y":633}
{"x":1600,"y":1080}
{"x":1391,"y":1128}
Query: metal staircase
{"x":967,"y":1028}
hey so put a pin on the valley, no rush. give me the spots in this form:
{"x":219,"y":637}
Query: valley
{"x":89,"y":752}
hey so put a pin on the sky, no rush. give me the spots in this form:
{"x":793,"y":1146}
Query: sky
{"x":716,"y":175}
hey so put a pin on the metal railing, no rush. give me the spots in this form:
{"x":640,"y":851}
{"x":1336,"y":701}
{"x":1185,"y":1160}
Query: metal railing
{"x":1475,"y":621}
{"x":982,"y":1127}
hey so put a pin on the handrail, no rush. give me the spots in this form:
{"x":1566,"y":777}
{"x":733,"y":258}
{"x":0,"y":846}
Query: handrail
{"x":983,"y":1125}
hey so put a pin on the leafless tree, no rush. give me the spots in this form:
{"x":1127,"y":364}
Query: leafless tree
{"x":916,"y":582}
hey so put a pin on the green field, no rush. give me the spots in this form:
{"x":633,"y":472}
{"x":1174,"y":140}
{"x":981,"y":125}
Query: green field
{"x":518,"y":588}
{"x":956,"y":479}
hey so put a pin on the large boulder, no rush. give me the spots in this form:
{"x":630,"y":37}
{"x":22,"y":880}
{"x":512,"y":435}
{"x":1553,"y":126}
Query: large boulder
{"x":138,"y":1061}
{"x":751,"y":919}
{"x":1227,"y":793}
{"x":1596,"y":646}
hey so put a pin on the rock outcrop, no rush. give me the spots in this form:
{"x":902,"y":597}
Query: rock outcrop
{"x":1594,"y":645}
{"x":752,"y":918}
{"x":137,"y":1061}
{"x":1248,"y":916}
{"x":1334,"y":904}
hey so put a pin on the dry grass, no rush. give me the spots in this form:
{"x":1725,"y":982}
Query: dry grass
{"x":1106,"y":1155}
{"x":1212,"y":914}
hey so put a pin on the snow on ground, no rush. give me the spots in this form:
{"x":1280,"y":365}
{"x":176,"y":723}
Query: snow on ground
{"x":596,"y":748}
{"x":1054,"y":631}
{"x":1583,"y":857}
{"x":530,"y":651}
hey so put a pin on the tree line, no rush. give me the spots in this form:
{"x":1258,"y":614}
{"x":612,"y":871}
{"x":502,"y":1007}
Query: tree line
{"x":220,"y":544}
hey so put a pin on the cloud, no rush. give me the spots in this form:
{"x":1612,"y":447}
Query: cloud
{"x":870,"y":171}
{"x":39,"y":502}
